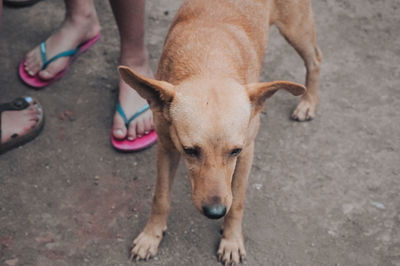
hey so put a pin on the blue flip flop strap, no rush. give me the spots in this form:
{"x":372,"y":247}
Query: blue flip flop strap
{"x":126,"y":120}
{"x":62,"y":54}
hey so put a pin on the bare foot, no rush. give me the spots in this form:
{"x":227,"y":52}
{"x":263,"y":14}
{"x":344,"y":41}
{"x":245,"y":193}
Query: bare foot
{"x":73,"y":32}
{"x":19,"y":122}
{"x":131,"y":102}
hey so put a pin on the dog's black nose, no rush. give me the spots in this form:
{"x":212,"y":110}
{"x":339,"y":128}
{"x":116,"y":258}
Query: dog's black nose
{"x":214,"y":211}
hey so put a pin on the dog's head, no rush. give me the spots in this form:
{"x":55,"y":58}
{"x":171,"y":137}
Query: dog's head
{"x":211,"y":123}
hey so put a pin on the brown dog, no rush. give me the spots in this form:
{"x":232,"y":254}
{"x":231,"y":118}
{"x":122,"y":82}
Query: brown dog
{"x":206,"y":103}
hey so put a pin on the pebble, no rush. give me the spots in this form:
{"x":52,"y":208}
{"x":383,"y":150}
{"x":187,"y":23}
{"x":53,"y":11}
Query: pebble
{"x":44,"y":239}
{"x":11,"y":262}
{"x":378,"y":205}
{"x":67,"y":115}
{"x":257,"y":186}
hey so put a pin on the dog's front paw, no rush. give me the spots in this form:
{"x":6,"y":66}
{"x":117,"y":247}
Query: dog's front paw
{"x":304,"y":111}
{"x":231,"y":251}
{"x":145,"y":246}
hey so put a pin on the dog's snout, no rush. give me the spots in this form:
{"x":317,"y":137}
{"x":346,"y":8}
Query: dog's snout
{"x":214,"y":211}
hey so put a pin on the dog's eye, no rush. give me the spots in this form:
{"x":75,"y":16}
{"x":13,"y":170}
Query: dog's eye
{"x":235,"y":152}
{"x":193,"y":152}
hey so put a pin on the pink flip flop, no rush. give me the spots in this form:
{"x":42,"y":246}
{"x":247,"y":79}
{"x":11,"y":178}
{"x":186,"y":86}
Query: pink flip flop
{"x":35,"y":81}
{"x":137,"y":144}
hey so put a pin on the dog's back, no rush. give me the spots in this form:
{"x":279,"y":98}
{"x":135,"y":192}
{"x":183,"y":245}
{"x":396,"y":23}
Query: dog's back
{"x":202,"y":36}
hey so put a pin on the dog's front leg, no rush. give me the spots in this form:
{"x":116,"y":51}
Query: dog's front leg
{"x":146,"y":244}
{"x":231,"y":248}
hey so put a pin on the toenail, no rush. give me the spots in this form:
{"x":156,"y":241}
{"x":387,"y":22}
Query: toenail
{"x":146,"y":132}
{"x":30,"y":73}
{"x":119,"y":132}
{"x":130,"y":138}
{"x":139,"y":136}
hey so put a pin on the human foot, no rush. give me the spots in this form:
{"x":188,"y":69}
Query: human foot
{"x":20,"y":119}
{"x":73,"y":32}
{"x":131,"y":103}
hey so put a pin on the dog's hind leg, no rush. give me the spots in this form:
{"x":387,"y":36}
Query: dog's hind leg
{"x":231,"y":248}
{"x":146,"y":244}
{"x":295,"y":21}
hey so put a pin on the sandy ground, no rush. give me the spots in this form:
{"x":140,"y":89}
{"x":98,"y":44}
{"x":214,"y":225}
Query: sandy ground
{"x":320,"y":193}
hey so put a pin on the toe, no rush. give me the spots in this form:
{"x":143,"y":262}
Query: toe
{"x":34,"y":117}
{"x":35,"y":66}
{"x":32,"y":62}
{"x":30,"y":69}
{"x":147,"y":126}
{"x":119,"y":129}
{"x":132,"y":131}
{"x":140,"y":128}
{"x":46,"y":74}
{"x":31,"y":115}
{"x":151,"y":122}
{"x":119,"y":132}
{"x":28,"y":126}
{"x":52,"y":69}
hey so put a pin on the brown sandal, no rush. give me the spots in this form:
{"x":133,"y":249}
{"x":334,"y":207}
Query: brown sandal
{"x":18,"y":140}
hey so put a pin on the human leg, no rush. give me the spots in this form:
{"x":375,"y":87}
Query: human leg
{"x":130,"y":17}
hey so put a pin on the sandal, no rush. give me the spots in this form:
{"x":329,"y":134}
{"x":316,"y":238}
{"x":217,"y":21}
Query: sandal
{"x":16,"y":140}
{"x":35,"y":81}
{"x":19,"y":3}
{"x":137,"y":144}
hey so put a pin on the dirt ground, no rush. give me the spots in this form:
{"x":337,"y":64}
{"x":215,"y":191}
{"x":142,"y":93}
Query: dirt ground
{"x":320,"y":193}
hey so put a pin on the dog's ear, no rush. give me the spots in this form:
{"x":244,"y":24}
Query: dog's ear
{"x":259,"y":92}
{"x":154,"y":91}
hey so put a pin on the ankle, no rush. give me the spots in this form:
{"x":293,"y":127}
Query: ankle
{"x":135,"y":57}
{"x":86,"y":26}
{"x":83,"y":17}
